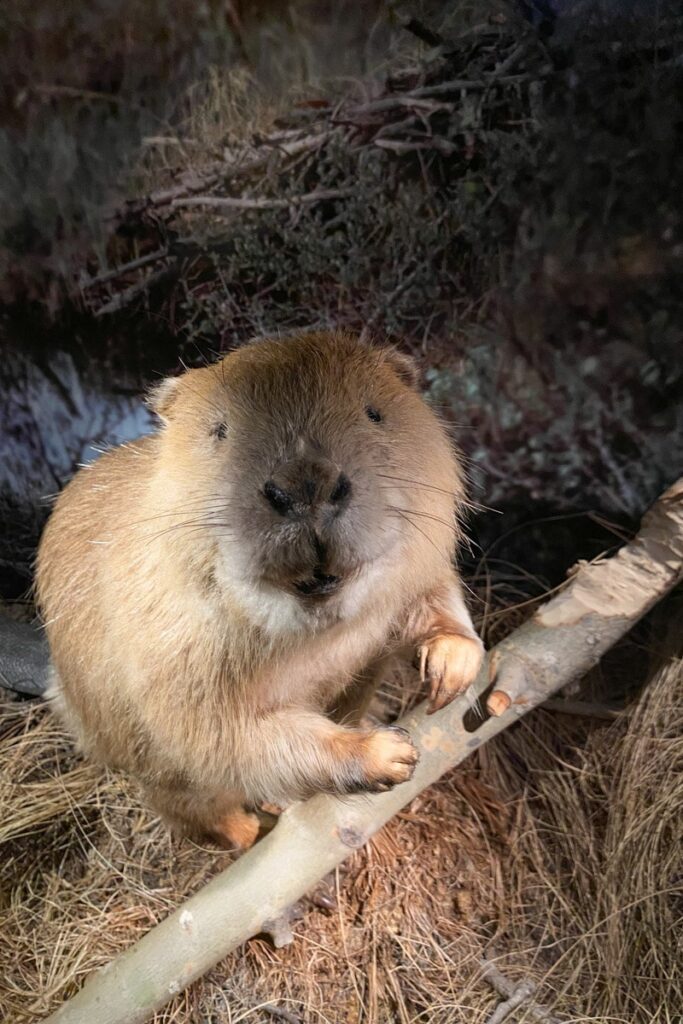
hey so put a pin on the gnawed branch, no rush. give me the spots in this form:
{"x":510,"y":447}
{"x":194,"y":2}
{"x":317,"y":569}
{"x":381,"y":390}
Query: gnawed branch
{"x":564,"y":639}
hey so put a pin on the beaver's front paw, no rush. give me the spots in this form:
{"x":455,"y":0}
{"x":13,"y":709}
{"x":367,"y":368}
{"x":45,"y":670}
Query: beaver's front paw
{"x":389,"y":758}
{"x":449,"y":663}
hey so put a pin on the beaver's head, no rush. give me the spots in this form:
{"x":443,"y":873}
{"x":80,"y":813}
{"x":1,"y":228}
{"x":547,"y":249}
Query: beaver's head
{"x":306,"y":462}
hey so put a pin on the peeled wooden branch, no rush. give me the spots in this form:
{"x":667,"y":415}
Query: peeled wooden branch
{"x":600,"y":603}
{"x":565,"y":638}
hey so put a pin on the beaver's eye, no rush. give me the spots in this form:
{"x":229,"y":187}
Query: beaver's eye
{"x":373,"y":414}
{"x":220,"y":431}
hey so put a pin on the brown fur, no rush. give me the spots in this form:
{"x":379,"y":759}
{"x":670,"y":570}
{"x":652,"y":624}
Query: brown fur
{"x":185,"y":646}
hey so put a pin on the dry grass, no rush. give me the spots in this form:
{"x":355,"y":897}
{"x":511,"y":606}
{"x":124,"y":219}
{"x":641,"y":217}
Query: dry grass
{"x":597,"y":864}
{"x":217,"y":116}
{"x":556,"y":853}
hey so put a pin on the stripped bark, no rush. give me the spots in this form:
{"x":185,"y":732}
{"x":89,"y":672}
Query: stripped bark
{"x":565,"y":638}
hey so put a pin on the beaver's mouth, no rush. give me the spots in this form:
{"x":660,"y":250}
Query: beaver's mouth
{"x":320,"y":584}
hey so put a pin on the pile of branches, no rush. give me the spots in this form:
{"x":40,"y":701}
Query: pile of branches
{"x":382,"y":197}
{"x":402,"y":199}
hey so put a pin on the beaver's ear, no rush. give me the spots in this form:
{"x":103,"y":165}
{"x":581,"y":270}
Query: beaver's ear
{"x":405,"y":366}
{"x":161,"y":397}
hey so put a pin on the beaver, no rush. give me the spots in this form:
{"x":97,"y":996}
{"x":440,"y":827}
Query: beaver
{"x":220,"y":596}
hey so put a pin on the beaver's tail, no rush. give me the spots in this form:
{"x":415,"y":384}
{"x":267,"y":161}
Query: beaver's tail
{"x":24,"y":658}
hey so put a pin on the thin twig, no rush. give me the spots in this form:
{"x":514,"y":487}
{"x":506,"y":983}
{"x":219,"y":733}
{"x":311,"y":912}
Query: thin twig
{"x":242,"y":203}
{"x":584,"y":708}
{"x":278,"y":1011}
{"x":436,"y":142}
{"x":72,"y":92}
{"x":111,"y":275}
{"x":124,"y":298}
{"x":416,"y":96}
{"x":393,"y":103}
{"x":465,"y":85}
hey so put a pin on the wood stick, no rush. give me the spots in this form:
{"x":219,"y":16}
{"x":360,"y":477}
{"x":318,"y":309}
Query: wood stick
{"x":565,"y":638}
{"x":418,"y":96}
{"x":245,"y":203}
{"x":125,"y":268}
{"x":138,"y":288}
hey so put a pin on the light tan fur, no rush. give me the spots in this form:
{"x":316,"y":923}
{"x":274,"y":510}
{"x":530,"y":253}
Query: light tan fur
{"x":185,"y":649}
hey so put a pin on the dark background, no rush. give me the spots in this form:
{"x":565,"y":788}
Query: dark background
{"x":530,"y":257}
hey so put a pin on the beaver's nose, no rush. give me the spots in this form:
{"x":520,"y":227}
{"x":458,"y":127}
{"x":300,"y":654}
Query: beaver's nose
{"x":342,"y":489}
{"x":297,"y":495}
{"x":281,"y":501}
